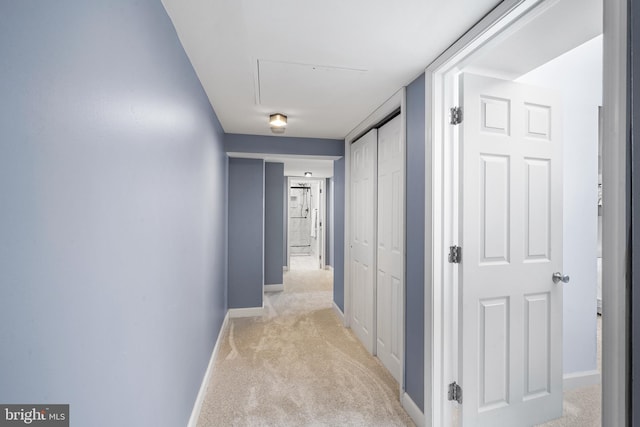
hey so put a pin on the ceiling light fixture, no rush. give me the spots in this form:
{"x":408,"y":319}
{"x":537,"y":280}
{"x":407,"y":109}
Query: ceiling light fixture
{"x":278,"y":120}
{"x":307,"y":174}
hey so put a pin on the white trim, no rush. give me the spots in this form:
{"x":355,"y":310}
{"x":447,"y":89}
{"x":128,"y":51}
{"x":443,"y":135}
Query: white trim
{"x":285,"y":268}
{"x":431,"y":257}
{"x":328,"y":267}
{"x":614,"y":252}
{"x":274,"y":288}
{"x":338,"y":312}
{"x":235,"y":313}
{"x":322,"y":229}
{"x":346,"y":283}
{"x":412,"y":409}
{"x":197,"y":406}
{"x":288,"y":196}
{"x":403,"y":296}
{"x":580,"y":379}
{"x":382,"y":112}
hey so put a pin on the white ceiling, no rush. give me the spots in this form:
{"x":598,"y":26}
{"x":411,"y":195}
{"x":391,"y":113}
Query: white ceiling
{"x":326,"y":64}
{"x":544,"y":34}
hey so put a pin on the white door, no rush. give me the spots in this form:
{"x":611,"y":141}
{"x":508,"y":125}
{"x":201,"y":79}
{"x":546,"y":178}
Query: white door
{"x":390,"y":243}
{"x":363,"y":223}
{"x":511,"y":238}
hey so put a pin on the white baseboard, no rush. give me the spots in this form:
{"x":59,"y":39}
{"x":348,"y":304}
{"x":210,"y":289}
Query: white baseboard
{"x":235,"y":313}
{"x":580,"y":379}
{"x":197,"y":406}
{"x":413,"y":410}
{"x":274,"y":288}
{"x":285,"y":268}
{"x":328,"y":267}
{"x":339,"y":312}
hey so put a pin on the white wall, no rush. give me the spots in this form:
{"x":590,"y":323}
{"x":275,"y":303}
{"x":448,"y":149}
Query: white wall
{"x":577,"y":76}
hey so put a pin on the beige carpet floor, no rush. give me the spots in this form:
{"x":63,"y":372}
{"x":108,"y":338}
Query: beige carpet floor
{"x":303,"y":262}
{"x":582,"y":406}
{"x":298,"y":366}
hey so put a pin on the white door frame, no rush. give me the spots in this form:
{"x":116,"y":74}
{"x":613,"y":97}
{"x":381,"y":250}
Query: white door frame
{"x":440,"y":233}
{"x":321,"y":214}
{"x":322,"y":221}
{"x":397,"y":100}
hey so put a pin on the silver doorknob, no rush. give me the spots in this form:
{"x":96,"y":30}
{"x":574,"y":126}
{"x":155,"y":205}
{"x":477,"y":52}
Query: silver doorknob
{"x":558,"y":277}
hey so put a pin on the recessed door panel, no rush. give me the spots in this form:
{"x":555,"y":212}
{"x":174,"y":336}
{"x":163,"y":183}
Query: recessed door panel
{"x":537,"y":349}
{"x":538,"y":121}
{"x":537,"y":191}
{"x":493,"y":354}
{"x":494,"y":193}
{"x":496,"y":117}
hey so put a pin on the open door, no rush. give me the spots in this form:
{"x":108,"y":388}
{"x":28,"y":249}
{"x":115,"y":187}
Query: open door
{"x":510,"y":312}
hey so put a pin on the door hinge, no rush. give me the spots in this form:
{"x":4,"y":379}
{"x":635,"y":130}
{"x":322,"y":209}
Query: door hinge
{"x":455,"y":254}
{"x":455,"y":392}
{"x":456,"y":115}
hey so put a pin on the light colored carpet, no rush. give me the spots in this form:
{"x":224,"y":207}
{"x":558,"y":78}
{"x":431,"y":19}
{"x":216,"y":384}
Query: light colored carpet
{"x":308,"y":281}
{"x":582,"y":406}
{"x":304,"y":262}
{"x":298,"y":366}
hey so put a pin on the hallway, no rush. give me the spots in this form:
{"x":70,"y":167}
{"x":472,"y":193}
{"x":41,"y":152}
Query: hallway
{"x":298,"y":365}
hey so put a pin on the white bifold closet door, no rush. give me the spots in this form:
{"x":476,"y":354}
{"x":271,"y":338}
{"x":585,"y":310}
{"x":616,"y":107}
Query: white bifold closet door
{"x":390,"y":247}
{"x":363,"y":234}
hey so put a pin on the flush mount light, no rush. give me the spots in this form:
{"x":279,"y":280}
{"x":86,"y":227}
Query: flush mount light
{"x":277,"y":120}
{"x":307,"y":174}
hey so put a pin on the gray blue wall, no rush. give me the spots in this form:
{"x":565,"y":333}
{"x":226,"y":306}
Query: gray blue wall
{"x":112,"y":219}
{"x":273,"y":223}
{"x":414,"y":363}
{"x":327,"y":222}
{"x":239,"y":143}
{"x":338,"y":232}
{"x":246,"y":232}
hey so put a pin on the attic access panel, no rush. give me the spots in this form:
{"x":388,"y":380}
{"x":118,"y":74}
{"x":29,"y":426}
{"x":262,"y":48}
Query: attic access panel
{"x":307,"y":86}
